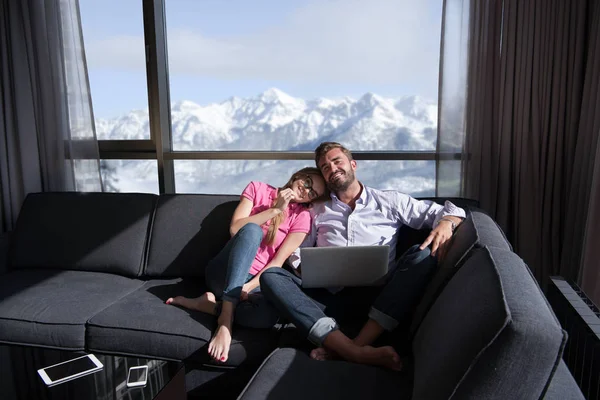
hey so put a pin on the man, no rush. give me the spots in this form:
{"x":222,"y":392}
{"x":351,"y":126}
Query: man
{"x":359,"y":215}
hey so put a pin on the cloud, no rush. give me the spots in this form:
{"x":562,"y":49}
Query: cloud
{"x":338,"y":41}
{"x":119,"y":52}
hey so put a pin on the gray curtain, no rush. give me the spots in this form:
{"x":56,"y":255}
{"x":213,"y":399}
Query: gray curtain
{"x":531,"y":139}
{"x":587,"y":169}
{"x":47,"y":138}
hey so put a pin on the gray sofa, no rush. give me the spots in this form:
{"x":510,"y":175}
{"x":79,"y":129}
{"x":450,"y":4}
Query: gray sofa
{"x":91,"y":272}
{"x":483,"y":330}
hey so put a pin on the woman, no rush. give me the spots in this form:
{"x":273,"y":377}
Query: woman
{"x":267,"y":226}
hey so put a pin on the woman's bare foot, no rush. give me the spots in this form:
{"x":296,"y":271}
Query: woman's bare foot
{"x":218,"y":348}
{"x":382,"y":356}
{"x":322,"y":354}
{"x":205,"y":303}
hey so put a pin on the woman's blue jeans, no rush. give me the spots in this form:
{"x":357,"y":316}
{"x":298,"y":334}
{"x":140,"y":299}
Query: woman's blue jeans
{"x":315,"y":311}
{"x":228,"y":271}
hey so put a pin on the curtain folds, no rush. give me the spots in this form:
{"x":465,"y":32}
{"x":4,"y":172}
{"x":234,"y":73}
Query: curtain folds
{"x":532,"y":95}
{"x":589,"y":153}
{"x":47,"y":138}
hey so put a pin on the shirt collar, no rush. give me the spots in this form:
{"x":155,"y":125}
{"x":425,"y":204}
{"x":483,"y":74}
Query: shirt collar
{"x":363,"y":195}
{"x":361,"y":200}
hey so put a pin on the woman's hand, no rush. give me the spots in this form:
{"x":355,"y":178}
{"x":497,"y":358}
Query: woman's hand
{"x":283,"y":199}
{"x":246,"y":289}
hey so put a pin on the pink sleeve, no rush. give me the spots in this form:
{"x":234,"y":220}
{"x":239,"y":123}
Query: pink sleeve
{"x":302,"y":222}
{"x":250,"y":191}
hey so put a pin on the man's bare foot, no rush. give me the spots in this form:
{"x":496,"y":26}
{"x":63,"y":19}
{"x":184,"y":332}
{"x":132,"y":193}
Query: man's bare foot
{"x":218,"y":348}
{"x":382,"y":356}
{"x":205,"y":303}
{"x":322,"y":354}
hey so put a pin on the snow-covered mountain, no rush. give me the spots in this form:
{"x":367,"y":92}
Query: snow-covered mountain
{"x":274,"y":120}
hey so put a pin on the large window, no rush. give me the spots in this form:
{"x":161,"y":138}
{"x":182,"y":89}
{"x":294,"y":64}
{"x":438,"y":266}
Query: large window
{"x":231,"y":176}
{"x":113,"y":33}
{"x":129,"y":176}
{"x":285,"y":75}
{"x":245,"y":90}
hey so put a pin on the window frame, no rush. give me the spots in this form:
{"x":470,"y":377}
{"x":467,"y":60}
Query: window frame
{"x":159,"y":146}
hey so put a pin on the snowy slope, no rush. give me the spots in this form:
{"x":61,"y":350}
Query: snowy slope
{"x":274,"y":120}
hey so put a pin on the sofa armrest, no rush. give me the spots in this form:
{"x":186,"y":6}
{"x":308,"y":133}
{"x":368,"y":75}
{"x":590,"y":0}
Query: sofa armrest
{"x":563,"y":386}
{"x":4,"y":244}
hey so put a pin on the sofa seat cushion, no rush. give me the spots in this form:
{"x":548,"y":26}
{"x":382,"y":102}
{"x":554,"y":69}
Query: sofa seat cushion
{"x":142,"y":324}
{"x":50,"y":308}
{"x":291,"y":374}
{"x":490,"y":331}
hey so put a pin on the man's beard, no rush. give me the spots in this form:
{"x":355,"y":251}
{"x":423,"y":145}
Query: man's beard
{"x":341,"y":185}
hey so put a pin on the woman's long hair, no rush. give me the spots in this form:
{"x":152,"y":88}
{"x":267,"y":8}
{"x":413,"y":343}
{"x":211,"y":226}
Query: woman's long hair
{"x":278,"y":219}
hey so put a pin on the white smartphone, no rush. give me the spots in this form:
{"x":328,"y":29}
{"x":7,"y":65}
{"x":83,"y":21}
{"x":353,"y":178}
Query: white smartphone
{"x":69,"y":370}
{"x":137,"y":376}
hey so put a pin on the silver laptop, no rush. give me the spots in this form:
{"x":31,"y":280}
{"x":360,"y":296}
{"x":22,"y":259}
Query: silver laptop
{"x":336,"y":266}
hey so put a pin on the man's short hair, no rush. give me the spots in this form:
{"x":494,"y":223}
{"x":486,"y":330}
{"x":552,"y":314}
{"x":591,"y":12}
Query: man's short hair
{"x":325,"y":147}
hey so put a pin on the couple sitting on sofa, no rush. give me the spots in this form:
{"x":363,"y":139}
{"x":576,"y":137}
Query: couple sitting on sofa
{"x":270,"y":224}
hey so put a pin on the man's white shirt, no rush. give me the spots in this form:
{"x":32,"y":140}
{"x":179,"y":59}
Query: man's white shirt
{"x":375,"y":220}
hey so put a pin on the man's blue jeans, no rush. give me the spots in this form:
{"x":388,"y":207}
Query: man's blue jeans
{"x":229,"y":270}
{"x":315,"y":311}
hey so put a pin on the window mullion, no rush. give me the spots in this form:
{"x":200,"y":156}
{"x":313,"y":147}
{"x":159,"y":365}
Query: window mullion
{"x":158,"y":90}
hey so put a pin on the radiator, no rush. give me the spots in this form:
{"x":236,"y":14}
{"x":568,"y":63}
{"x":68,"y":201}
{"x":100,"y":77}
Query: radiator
{"x":580,"y":317}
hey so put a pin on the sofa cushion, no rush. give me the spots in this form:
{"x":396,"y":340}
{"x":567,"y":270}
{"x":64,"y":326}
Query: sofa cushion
{"x":142,"y":324}
{"x":102,"y":232}
{"x":290,"y":374}
{"x":490,"y":331}
{"x":188,"y":231}
{"x":477,"y":230}
{"x":49,"y":308}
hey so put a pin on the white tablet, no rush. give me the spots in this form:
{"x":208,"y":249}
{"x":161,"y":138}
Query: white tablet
{"x":69,"y":370}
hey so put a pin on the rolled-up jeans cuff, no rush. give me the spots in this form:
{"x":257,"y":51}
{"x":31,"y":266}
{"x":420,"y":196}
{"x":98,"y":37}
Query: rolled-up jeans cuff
{"x":319,"y":331}
{"x":388,"y":323}
{"x":232,"y":299}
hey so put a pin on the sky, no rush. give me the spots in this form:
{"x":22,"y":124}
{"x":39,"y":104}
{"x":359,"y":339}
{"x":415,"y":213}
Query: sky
{"x":223,"y":48}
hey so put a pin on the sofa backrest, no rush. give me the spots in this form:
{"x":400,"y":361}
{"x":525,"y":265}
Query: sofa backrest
{"x":490,"y":334}
{"x":102,"y":232}
{"x":476,"y":231}
{"x":188,"y":231}
{"x":4,"y":246}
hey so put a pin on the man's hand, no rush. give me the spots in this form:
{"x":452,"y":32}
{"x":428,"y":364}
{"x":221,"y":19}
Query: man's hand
{"x":439,"y":239}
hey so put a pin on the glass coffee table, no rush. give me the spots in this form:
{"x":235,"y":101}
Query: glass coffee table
{"x":19,"y":379}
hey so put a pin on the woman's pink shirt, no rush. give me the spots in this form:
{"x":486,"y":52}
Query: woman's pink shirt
{"x":297,"y":219}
